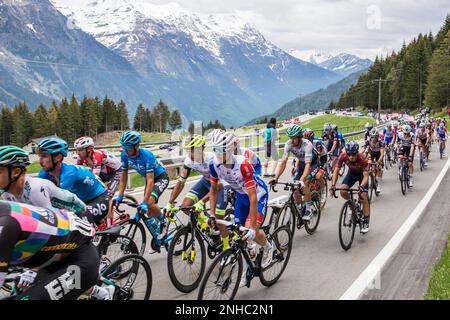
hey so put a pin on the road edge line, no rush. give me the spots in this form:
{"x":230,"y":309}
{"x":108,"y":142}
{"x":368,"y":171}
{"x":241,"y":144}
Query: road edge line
{"x":367,"y":277}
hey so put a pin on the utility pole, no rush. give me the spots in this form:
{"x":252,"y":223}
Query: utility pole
{"x":379,"y":92}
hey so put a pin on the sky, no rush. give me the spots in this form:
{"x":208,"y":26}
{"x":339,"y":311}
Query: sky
{"x":361,"y":27}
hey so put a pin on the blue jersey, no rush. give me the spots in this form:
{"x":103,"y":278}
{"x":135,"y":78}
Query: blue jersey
{"x":145,"y":162}
{"x":78,"y":180}
{"x":341,"y":138}
{"x":441,"y":132}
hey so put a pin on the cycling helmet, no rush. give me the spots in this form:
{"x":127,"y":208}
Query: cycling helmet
{"x":395,"y":124}
{"x":295,"y":131}
{"x":129,"y":139}
{"x":334,"y":127}
{"x":389,"y":125}
{"x":308,"y":134}
{"x":352,"y":148}
{"x":327,"y":127}
{"x":441,"y":125}
{"x":373,"y":133}
{"x":12,"y":156}
{"x":215,"y":133}
{"x":53,"y":146}
{"x":369,"y":126}
{"x":406,"y":128}
{"x":421,"y":125}
{"x":194,"y":141}
{"x":83,"y":142}
{"x":223,"y":142}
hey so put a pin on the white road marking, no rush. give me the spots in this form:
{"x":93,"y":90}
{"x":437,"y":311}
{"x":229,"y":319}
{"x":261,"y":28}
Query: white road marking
{"x":368,"y":277}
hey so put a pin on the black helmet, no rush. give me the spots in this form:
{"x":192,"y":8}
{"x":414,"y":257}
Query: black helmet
{"x":352,"y":148}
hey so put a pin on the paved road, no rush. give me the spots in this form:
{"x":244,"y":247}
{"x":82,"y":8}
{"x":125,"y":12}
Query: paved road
{"x":318,"y":267}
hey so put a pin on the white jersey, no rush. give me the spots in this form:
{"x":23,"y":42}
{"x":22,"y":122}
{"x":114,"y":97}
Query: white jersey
{"x":241,"y":177}
{"x":45,"y":194}
{"x":304,"y":152}
{"x":202,"y":168}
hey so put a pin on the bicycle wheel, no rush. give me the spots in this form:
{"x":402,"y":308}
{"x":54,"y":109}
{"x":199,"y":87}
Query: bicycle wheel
{"x":313,"y":223}
{"x":441,"y":149}
{"x":221,"y":281}
{"x":403,"y":180}
{"x":136,"y":231}
{"x":329,"y":169}
{"x":341,"y":171}
{"x":347,"y":226}
{"x":323,"y":193}
{"x":286,"y":217}
{"x":282,"y":239}
{"x":186,"y":260}
{"x":422,"y":165}
{"x":137,"y":285}
{"x":371,"y":186}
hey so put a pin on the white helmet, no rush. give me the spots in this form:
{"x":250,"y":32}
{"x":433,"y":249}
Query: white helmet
{"x":395,"y":124}
{"x":223,"y":141}
{"x":83,"y":142}
{"x":215,"y":133}
{"x":406,"y":128}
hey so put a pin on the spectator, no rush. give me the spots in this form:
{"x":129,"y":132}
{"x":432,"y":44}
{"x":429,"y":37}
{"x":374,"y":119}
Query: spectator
{"x":271,"y":151}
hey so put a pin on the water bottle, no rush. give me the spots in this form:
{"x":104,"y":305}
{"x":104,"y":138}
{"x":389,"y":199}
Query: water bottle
{"x":252,"y":250}
{"x":152,"y":224}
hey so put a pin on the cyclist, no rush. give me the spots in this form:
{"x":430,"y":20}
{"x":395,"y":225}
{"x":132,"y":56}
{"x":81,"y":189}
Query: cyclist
{"x":76,"y":179}
{"x":251,"y":193}
{"x":406,"y":148}
{"x":58,"y":243}
{"x":441,"y":133}
{"x":332,"y":142}
{"x":368,"y":126}
{"x":103,"y":163}
{"x":198,"y":160}
{"x":340,"y":137}
{"x":321,"y":151}
{"x":422,"y":140}
{"x":249,"y":154}
{"x":374,"y":150}
{"x":146,"y":164}
{"x":303,"y":150}
{"x":19,"y":187}
{"x":358,"y":170}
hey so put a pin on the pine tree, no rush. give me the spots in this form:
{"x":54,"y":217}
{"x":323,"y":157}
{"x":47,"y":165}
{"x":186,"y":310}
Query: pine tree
{"x":6,"y":125}
{"x":123,"y":122}
{"x":175,"y":121}
{"x":437,"y":93}
{"x":76,"y":120}
{"x":42,"y":126}
{"x":65,"y":121}
{"x":53,"y":118}
{"x":22,"y":125}
{"x":139,"y":118}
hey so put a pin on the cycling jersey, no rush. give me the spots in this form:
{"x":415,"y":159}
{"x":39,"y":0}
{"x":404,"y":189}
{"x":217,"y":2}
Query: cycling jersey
{"x":241,"y":178}
{"x":359,"y":166}
{"x":202,"y":168}
{"x":31,"y":237}
{"x":304,"y":152}
{"x":253,"y":158}
{"x":441,"y":132}
{"x":404,"y":141}
{"x":389,"y":133}
{"x":145,"y":162}
{"x":78,"y":180}
{"x":374,"y":146}
{"x":104,"y":160}
{"x":324,"y":147}
{"x":44,"y":194}
{"x":422,"y":134}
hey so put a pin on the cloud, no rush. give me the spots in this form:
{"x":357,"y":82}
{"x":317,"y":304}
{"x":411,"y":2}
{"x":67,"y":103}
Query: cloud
{"x":363,"y":27}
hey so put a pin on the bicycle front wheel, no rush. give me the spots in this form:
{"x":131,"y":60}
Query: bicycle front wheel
{"x":137,"y":285}
{"x":347,"y":225}
{"x":282,"y":240}
{"x":313,"y":223}
{"x":404,"y":180}
{"x":136,"y":231}
{"x":286,"y":217}
{"x":221,"y":281}
{"x":186,"y":260}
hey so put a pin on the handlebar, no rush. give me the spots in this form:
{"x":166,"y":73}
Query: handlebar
{"x":286,"y":184}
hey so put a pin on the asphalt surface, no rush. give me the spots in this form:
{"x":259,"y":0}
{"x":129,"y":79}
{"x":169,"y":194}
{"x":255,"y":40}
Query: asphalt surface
{"x":319,"y":268}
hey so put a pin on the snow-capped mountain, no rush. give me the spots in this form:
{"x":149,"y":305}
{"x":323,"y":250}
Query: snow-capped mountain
{"x":41,"y":59}
{"x":200,"y":62}
{"x":342,"y":63}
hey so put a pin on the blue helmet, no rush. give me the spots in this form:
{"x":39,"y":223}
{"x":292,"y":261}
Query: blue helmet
{"x":53,"y":146}
{"x":129,"y":139}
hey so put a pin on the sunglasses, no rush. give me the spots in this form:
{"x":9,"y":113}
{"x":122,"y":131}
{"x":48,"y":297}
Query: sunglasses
{"x":220,"y":150}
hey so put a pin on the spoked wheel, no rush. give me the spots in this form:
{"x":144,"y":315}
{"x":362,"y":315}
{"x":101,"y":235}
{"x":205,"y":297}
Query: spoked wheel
{"x":323,"y":193}
{"x":422,"y":164}
{"x":347,"y":225}
{"x":403,"y":180}
{"x":341,"y":171}
{"x":329,"y":169}
{"x":136,"y":231}
{"x":221,"y":281}
{"x":282,"y":240}
{"x":441,"y":149}
{"x":372,"y":186}
{"x":286,"y":217}
{"x":186,"y":260}
{"x":313,"y":223}
{"x":136,"y":285}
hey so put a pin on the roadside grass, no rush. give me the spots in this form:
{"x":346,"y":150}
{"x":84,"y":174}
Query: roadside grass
{"x":439,"y":285}
{"x":35,"y":167}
